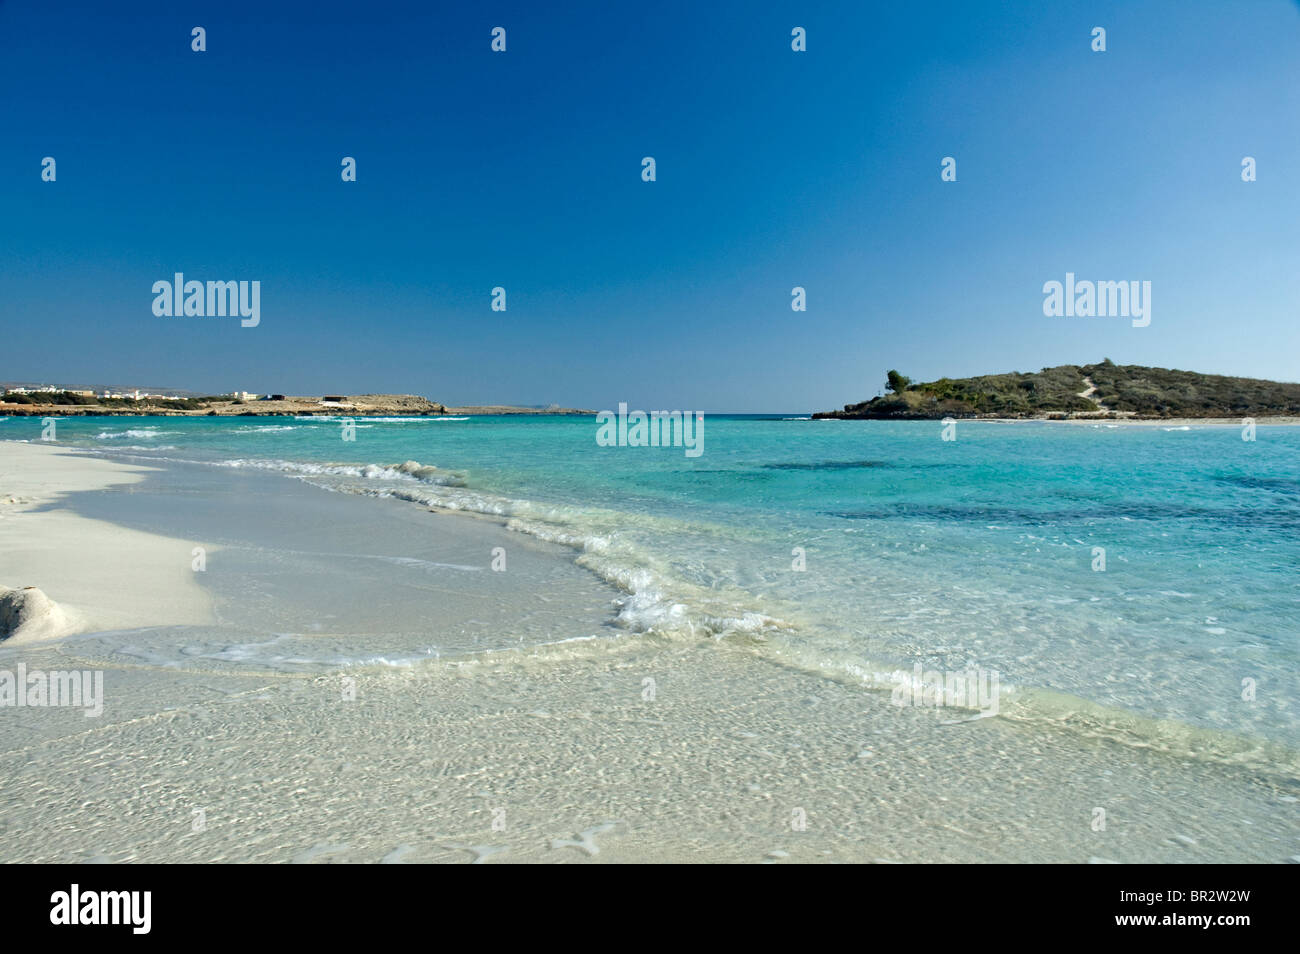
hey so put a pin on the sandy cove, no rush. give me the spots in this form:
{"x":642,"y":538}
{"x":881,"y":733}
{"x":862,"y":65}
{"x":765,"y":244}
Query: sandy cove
{"x":545,"y":754}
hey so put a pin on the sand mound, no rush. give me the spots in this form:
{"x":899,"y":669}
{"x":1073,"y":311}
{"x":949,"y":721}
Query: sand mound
{"x":28,"y":615}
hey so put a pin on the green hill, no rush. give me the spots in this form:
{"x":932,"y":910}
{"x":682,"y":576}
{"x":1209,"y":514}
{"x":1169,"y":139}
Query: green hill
{"x":1090,"y":390}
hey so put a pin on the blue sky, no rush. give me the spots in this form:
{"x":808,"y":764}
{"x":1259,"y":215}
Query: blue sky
{"x":522,"y":169}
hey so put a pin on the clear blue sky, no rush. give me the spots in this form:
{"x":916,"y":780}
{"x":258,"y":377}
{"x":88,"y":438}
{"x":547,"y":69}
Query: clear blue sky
{"x":522,"y":169}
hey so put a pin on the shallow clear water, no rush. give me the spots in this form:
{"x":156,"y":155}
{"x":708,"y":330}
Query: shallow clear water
{"x":978,"y":552}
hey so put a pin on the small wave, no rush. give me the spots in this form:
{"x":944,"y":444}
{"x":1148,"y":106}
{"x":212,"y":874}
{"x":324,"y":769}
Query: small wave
{"x":658,"y":601}
{"x":1193,"y":743}
{"x":257,"y":654}
{"x":1062,"y":712}
{"x":369,"y":419}
{"x":138,"y":433}
{"x":409,"y":470}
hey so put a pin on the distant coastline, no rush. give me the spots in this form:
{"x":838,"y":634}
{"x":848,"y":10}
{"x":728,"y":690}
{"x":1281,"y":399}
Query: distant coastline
{"x":72,"y":403}
{"x":1095,"y":392}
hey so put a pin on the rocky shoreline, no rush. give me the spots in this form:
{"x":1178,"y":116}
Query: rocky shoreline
{"x":365,"y":405}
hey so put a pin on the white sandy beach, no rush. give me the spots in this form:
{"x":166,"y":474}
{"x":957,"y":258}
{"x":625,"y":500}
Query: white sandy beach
{"x":631,"y":748}
{"x":102,"y":575}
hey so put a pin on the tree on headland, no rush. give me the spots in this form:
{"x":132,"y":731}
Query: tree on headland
{"x":898,"y":383}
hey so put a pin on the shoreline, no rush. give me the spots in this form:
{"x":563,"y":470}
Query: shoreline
{"x":558,"y":740}
{"x":1282,"y":420}
{"x":102,"y":575}
{"x":72,"y":410}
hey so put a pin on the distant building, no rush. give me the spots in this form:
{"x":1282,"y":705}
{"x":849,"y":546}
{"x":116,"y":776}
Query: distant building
{"x":135,"y":395}
{"x":333,"y":399}
{"x":244,"y":396}
{"x":275,"y":397}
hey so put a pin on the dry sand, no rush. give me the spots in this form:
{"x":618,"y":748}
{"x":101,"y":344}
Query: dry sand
{"x":101,"y":575}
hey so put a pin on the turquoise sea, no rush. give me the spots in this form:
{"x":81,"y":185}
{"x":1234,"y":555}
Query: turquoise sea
{"x":984,"y":552}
